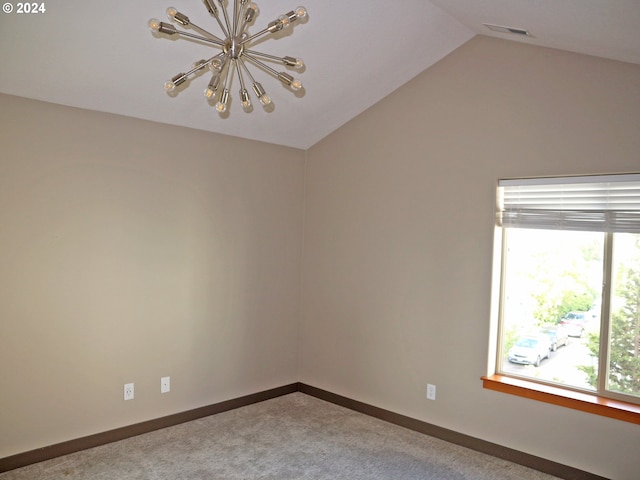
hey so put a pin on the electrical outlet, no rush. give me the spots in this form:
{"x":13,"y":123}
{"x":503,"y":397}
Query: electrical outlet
{"x":431,"y":392}
{"x":128,"y":391}
{"x":165,"y":384}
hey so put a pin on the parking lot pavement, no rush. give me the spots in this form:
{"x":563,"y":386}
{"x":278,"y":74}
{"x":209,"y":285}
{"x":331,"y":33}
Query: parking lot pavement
{"x":561,"y":367}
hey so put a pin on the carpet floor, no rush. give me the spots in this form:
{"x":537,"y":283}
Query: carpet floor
{"x":291,"y":437}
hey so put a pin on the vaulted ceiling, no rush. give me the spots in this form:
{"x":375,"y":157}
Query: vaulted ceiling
{"x":101,"y":55}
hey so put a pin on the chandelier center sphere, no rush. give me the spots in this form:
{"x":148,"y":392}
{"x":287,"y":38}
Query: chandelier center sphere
{"x":233,"y":46}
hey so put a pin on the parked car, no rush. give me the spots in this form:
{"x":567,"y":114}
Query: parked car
{"x":575,"y":323}
{"x":530,"y":350}
{"x":558,"y":336}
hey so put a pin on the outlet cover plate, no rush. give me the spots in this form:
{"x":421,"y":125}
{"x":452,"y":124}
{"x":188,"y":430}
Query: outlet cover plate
{"x":165,"y":384}
{"x":128,"y":391}
{"x":431,"y":392}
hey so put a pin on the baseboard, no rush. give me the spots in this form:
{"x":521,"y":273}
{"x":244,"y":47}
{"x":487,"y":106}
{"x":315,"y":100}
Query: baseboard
{"x":76,"y":445}
{"x":515,"y":456}
{"x":499,"y":451}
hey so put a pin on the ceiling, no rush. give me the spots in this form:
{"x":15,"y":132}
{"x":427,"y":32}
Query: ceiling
{"x":101,"y":55}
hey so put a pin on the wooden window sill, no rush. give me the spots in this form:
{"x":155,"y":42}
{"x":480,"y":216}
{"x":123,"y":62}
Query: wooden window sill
{"x":586,"y":402}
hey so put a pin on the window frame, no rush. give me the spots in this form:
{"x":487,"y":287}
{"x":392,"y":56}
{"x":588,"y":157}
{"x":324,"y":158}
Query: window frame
{"x":582,"y":401}
{"x":602,"y":401}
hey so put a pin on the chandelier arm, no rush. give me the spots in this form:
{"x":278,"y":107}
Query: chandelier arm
{"x":226,"y":19}
{"x":235,"y":18}
{"x":284,"y":77}
{"x":224,"y":30}
{"x":276,"y":25}
{"x":247,"y":15}
{"x":243,"y":65}
{"x":221,"y":106}
{"x":259,"y":64}
{"x":259,"y":34}
{"x":265,"y":55}
{"x":209,"y":34}
{"x":258,"y":90}
{"x":227,"y":82}
{"x":240,"y":78}
{"x":241,"y":19}
{"x":200,"y":37}
{"x":288,"y":61}
{"x":213,"y":11}
{"x":245,"y":99}
{"x":214,"y":83}
{"x":198,"y":66}
{"x":243,"y":25}
{"x":220,"y":55}
{"x":182,"y":77}
{"x":210,"y":5}
{"x":229,"y":65}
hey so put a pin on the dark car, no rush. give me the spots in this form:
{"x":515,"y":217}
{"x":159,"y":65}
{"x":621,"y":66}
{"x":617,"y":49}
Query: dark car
{"x":575,"y":323}
{"x":558,"y":336}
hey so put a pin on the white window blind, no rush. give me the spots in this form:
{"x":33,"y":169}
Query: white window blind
{"x":601,"y":203}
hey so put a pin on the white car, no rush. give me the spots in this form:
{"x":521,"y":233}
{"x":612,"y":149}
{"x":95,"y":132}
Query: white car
{"x":530,"y":350}
{"x":557,"y":334}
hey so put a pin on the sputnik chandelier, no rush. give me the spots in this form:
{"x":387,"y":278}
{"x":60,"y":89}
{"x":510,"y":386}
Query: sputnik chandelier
{"x":235,"y":54}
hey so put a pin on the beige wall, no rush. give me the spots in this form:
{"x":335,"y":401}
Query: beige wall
{"x":131,"y":250}
{"x":398,"y":238}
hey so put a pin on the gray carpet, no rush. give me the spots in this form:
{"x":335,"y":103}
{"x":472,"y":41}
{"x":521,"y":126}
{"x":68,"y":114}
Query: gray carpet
{"x":286,"y":438}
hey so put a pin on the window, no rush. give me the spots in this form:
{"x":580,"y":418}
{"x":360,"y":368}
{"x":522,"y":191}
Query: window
{"x":569,"y":300}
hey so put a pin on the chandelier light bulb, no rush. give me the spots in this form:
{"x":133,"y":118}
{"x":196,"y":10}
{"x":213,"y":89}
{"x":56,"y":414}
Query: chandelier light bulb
{"x":199,"y":63}
{"x":284,"y":21}
{"x":169,"y":86}
{"x":171,"y":13}
{"x":296,"y":85}
{"x":301,"y":13}
{"x":212,"y":88}
{"x":295,"y":63}
{"x":221,"y":106}
{"x":265,"y":99}
{"x":258,"y":89}
{"x":215,"y":65}
{"x":154,"y":24}
{"x":251,"y":13}
{"x":209,"y":93}
{"x":177,"y":17}
{"x":246,"y":101}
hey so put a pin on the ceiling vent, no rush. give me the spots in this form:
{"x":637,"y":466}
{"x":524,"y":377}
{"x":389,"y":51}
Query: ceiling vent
{"x":504,"y":29}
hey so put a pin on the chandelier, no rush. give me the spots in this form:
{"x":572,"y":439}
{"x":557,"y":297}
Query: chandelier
{"x":235,"y":54}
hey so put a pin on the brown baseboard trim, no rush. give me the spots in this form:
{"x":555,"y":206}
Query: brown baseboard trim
{"x":76,"y":445}
{"x":499,"y":451}
{"x":515,"y":456}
